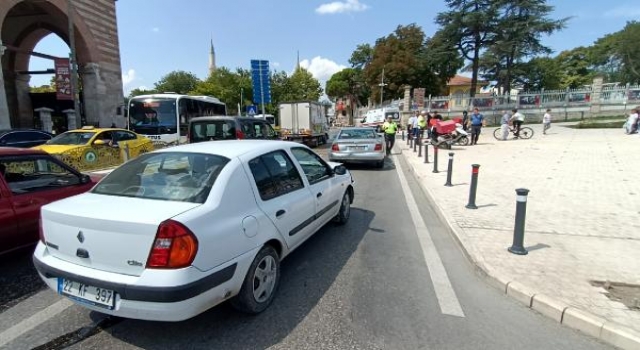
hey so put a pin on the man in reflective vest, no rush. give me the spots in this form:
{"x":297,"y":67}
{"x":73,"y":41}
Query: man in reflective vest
{"x":390,"y":128}
{"x":422,"y":125}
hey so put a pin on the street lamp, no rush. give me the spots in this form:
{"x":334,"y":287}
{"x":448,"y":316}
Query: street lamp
{"x":382,"y":85}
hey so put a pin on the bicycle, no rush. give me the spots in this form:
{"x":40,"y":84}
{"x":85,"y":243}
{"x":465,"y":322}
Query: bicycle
{"x":525,"y":133}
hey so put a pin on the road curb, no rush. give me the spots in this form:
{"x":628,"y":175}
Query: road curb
{"x":565,"y":314}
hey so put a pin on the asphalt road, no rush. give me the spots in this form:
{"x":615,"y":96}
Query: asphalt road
{"x":392,"y":278}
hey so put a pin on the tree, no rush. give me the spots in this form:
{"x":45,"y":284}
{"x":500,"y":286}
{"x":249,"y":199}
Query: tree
{"x":180,"y":82}
{"x":45,"y":88}
{"x":442,"y":58}
{"x":540,"y":73}
{"x":617,"y":55}
{"x":575,"y":67}
{"x":471,"y":24}
{"x":404,"y":58}
{"x":347,"y":82}
{"x":303,"y":86}
{"x":361,"y":57}
{"x":139,"y":91}
{"x":519,"y":29}
{"x":227,"y":86}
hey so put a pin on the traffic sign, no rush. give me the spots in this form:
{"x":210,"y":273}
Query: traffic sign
{"x":251,"y":110}
{"x":260,"y":81}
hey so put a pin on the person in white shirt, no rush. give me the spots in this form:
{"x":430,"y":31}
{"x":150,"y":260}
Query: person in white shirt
{"x":632,"y":122}
{"x":546,"y":122}
{"x":411,"y":123}
{"x":518,"y":120}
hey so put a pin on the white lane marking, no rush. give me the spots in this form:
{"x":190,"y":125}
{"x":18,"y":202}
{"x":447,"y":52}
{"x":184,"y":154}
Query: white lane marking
{"x":447,"y":298}
{"x":32,"y":322}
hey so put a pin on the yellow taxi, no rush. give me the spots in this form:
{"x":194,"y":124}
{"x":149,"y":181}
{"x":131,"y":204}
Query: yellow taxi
{"x":91,"y":148}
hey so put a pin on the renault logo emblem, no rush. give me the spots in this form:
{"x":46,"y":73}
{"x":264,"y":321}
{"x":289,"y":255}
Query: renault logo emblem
{"x":80,"y":237}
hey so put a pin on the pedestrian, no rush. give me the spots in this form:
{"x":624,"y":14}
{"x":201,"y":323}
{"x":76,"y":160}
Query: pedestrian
{"x":465,"y":120}
{"x":413,"y":120}
{"x":504,"y":125}
{"x":390,"y":128}
{"x":546,"y":121}
{"x":422,"y":125}
{"x":477,"y":122}
{"x":518,"y":120}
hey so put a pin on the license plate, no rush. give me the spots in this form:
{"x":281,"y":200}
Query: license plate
{"x":87,"y":294}
{"x":359,"y":148}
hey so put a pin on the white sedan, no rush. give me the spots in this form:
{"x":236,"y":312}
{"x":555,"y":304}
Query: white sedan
{"x":177,"y":231}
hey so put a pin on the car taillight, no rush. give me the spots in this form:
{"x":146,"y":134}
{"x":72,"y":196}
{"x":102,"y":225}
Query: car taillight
{"x":378,"y":147}
{"x":335,"y":147}
{"x":40,"y":231}
{"x":175,"y":246}
{"x":239,"y":135}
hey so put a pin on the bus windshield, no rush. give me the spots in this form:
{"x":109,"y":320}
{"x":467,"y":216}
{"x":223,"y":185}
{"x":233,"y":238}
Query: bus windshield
{"x":153,"y":116}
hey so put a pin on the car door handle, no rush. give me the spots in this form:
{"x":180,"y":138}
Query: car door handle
{"x":280,"y":212}
{"x":319,"y":195}
{"x":24,"y":203}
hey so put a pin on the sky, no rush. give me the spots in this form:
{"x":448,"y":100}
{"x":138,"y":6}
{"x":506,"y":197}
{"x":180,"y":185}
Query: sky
{"x":160,"y":36}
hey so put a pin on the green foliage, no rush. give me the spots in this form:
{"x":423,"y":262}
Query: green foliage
{"x":575,"y":69}
{"x":302,"y":86}
{"x":180,"y":82}
{"x":228,"y":86}
{"x":617,"y":55}
{"x":518,"y":34}
{"x":348,"y":82}
{"x":138,"y":92}
{"x":42,"y":88}
{"x":539,"y":73}
{"x":361,"y":57}
{"x":471,"y":25}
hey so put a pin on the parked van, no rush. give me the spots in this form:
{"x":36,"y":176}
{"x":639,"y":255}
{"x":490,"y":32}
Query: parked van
{"x":229,"y":128}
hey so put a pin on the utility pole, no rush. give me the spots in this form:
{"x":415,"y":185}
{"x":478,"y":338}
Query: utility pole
{"x":382,"y":85}
{"x":241,"y":101}
{"x":74,"y":66}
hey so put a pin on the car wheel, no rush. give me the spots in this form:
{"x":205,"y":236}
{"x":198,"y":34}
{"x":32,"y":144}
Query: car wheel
{"x":345,"y":210}
{"x":260,"y":284}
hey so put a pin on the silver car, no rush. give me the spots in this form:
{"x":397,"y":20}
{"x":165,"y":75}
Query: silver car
{"x":358,"y":145}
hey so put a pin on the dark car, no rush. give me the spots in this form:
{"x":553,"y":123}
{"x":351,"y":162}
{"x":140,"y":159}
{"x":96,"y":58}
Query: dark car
{"x":30,"y":179}
{"x":229,"y":128}
{"x":23,"y":138}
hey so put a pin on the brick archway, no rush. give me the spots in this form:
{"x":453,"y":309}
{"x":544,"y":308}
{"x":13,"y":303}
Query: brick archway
{"x":23,"y":23}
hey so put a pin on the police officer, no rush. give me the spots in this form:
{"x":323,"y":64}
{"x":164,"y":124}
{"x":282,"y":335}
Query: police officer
{"x":390,"y":128}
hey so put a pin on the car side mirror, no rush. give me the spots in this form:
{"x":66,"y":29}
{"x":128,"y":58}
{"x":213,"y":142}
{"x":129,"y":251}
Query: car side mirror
{"x":85,"y":179}
{"x":99,"y":142}
{"x":340,"y":170}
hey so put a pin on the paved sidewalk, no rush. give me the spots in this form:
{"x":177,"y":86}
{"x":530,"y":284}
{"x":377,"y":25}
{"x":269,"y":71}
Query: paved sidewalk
{"x":582,"y":227}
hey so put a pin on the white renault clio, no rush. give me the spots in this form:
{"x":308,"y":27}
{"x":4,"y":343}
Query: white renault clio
{"x":177,"y":231}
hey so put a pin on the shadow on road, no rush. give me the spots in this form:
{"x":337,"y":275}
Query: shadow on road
{"x":307,"y":274}
{"x":18,"y":278}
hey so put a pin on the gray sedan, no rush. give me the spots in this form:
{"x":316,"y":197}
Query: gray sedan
{"x":358,"y":145}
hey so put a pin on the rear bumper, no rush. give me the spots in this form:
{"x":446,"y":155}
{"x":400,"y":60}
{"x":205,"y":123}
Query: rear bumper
{"x":360,"y":157}
{"x":160,"y":295}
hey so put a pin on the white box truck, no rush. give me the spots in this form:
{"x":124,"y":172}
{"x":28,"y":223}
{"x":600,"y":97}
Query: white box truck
{"x":304,"y":122}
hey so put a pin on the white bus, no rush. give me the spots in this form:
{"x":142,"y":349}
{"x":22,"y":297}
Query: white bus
{"x":164,"y":118}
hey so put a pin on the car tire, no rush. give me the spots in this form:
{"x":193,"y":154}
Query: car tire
{"x":265,"y":270}
{"x":344,"y":213}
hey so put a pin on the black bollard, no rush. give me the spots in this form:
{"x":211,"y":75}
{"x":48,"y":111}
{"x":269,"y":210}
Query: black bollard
{"x":402,"y":135}
{"x":420,"y":150}
{"x":415,"y":144}
{"x":426,"y":152}
{"x":518,"y":231}
{"x":449,"y":170}
{"x":435,"y":159}
{"x":411,"y":143}
{"x":475,"y":169}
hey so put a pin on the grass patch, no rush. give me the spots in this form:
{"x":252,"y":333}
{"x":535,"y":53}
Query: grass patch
{"x":598,"y":124}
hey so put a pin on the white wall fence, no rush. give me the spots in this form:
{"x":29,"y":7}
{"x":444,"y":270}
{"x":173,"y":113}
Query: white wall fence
{"x":568,"y":104}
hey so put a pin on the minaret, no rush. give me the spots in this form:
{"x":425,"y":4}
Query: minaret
{"x":212,"y":59}
{"x":298,"y":64}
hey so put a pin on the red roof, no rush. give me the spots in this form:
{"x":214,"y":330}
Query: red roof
{"x":460,"y":80}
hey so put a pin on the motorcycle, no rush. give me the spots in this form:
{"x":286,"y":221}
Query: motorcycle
{"x":458,"y":136}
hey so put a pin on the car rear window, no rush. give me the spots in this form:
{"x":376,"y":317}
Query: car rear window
{"x":212,"y":130}
{"x":358,"y":134}
{"x":172,"y":176}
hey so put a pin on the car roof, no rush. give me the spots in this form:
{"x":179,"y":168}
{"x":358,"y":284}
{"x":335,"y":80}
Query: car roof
{"x":14,"y":151}
{"x":356,"y":128}
{"x":222,"y":117}
{"x":231,"y":148}
{"x":98,"y":130}
{"x":5,"y":131}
